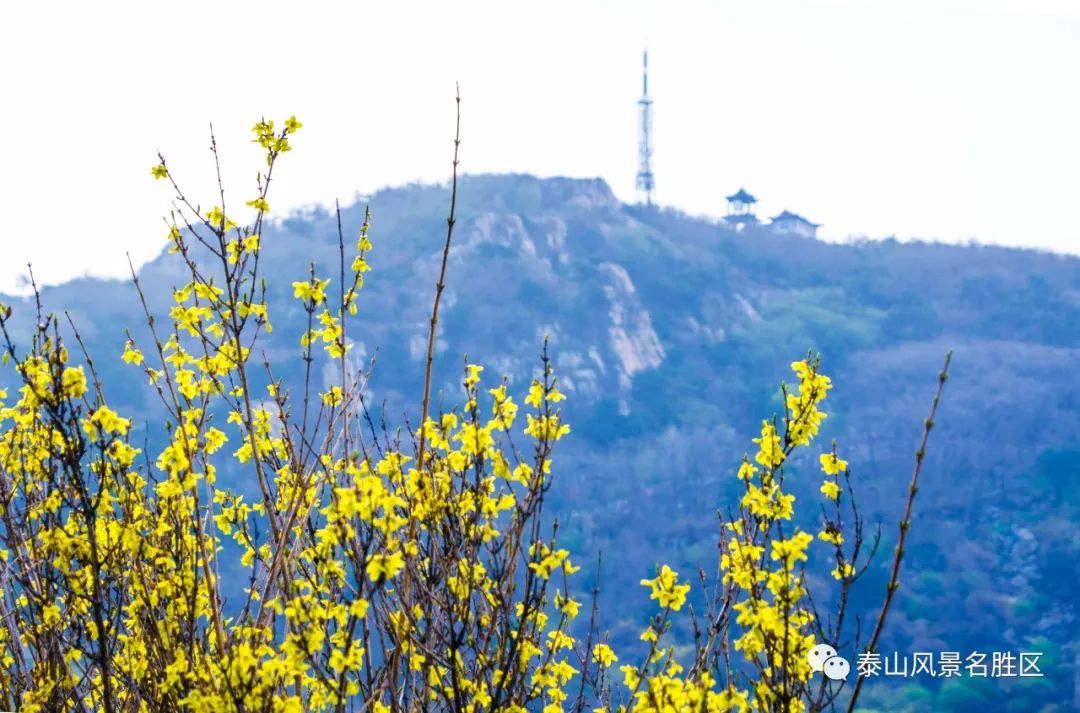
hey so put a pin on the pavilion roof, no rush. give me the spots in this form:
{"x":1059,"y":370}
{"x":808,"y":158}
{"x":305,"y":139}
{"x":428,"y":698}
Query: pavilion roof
{"x":742,"y":196}
{"x":789,"y":217}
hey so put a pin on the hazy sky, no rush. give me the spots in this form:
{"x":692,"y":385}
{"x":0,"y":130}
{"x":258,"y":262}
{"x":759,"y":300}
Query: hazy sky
{"x":934,"y":119}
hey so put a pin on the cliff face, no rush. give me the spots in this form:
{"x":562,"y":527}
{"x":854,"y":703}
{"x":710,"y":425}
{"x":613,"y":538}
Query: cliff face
{"x":669,"y":335}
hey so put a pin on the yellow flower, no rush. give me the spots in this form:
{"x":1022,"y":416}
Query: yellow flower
{"x":567,"y":606}
{"x":831,"y":464}
{"x":107,"y":420}
{"x":603,"y":655}
{"x":215,"y":439}
{"x":536,"y":394}
{"x":792,"y":550}
{"x":74,"y":382}
{"x":843,"y":572}
{"x":333,"y":397}
{"x":159,"y":171}
{"x":293,"y":124}
{"x":472,"y":378}
{"x":769,"y":451}
{"x":131,"y":354}
{"x":666,"y":590}
{"x":545,"y":428}
{"x":559,"y":640}
{"x":830,"y":489}
{"x":313,"y":291}
{"x":359,"y":608}
{"x":830,"y":535}
{"x":217,"y":220}
{"x":50,"y":615}
{"x":383,"y":566}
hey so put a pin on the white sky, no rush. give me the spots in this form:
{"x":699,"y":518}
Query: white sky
{"x":947,"y":120}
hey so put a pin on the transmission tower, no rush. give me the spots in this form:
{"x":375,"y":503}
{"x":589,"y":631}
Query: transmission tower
{"x":644,"y":175}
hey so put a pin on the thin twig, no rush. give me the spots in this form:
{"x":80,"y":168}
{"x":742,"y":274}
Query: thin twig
{"x":441,"y":284}
{"x":905,"y":525}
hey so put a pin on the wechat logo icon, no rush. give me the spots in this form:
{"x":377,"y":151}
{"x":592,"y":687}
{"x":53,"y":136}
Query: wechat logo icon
{"x":823,"y":658}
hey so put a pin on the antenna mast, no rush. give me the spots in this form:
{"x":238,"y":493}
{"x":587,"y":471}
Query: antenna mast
{"x":644,"y":174}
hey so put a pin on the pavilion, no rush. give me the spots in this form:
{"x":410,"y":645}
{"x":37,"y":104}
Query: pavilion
{"x":788,"y":223}
{"x":740,"y":208}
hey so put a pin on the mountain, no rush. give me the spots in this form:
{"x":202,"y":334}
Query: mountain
{"x":670,"y":334}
